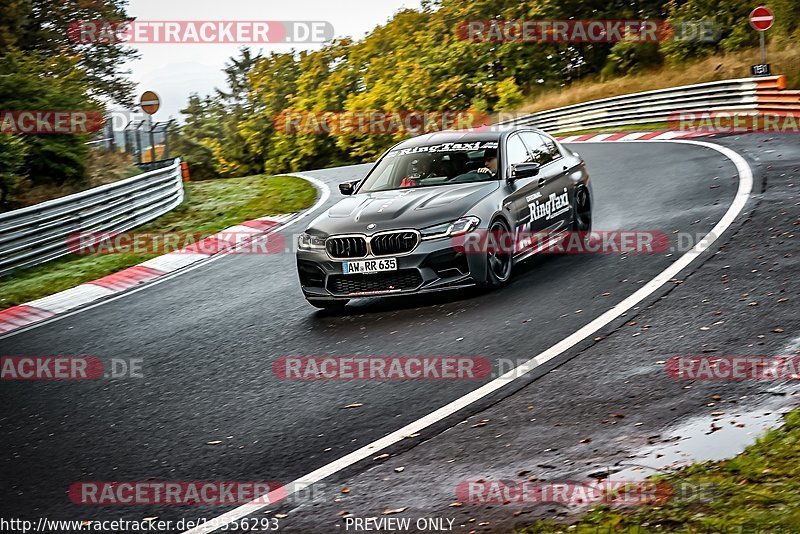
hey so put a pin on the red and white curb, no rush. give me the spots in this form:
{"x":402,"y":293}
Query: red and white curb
{"x":63,"y":301}
{"x":630,"y":136}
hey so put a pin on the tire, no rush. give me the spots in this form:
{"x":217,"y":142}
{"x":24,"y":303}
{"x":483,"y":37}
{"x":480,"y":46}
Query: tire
{"x":582,"y":214}
{"x":329,"y":304}
{"x":498,"y":263}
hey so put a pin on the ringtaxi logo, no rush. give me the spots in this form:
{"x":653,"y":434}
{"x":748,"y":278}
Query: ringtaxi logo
{"x":68,"y":368}
{"x":381,"y":368}
{"x":563,"y":492}
{"x":175,"y":493}
{"x":50,"y":122}
{"x":199,"y":31}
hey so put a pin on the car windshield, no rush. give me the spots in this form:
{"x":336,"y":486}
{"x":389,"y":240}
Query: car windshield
{"x":440,"y":164}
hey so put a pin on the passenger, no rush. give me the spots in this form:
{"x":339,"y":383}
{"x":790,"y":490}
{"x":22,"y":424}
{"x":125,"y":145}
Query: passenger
{"x":489,"y":161}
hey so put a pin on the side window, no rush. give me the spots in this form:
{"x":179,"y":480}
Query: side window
{"x":539,"y":150}
{"x":552,"y":149}
{"x":516,"y":152}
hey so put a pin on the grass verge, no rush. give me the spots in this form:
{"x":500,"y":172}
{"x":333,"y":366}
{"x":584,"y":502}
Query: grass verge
{"x":209,"y":206}
{"x":643,"y":127}
{"x":756,"y":491}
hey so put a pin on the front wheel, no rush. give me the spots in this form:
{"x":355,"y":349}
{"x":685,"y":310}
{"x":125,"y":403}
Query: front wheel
{"x":498,"y":255}
{"x":582,"y":216}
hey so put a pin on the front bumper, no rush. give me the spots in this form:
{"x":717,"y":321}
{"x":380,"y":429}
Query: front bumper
{"x":433,"y":266}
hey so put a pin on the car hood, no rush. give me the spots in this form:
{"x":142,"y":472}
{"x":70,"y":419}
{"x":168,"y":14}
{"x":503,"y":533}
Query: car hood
{"x":401,"y":208}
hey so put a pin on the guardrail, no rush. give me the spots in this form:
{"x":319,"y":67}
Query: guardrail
{"x":765,"y":94}
{"x":40,"y":233}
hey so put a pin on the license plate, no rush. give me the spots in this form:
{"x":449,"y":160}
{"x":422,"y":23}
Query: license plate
{"x":369,"y":266}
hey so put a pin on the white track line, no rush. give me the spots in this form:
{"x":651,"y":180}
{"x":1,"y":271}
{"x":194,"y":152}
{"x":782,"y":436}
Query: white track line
{"x":739,"y":201}
{"x":324,"y":194}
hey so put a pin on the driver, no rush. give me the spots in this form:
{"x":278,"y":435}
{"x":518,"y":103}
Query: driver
{"x":489,"y":161}
{"x":417,"y":169}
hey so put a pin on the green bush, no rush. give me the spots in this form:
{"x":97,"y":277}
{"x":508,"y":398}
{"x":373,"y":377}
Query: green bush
{"x":12,"y":159}
{"x":629,"y":57}
{"x":30,"y":81}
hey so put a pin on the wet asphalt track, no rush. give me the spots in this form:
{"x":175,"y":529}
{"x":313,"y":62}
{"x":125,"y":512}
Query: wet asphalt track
{"x":208,"y":339}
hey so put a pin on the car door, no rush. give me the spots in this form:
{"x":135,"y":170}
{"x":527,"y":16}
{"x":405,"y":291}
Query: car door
{"x":550,"y":207}
{"x":521,"y":191}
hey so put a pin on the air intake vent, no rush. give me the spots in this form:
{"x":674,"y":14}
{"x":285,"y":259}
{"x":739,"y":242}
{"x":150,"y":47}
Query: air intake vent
{"x":394,"y":243}
{"x":346,"y":247}
{"x":404,"y":279}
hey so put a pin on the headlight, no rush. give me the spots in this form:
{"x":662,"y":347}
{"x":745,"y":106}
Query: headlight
{"x":310,"y":242}
{"x":459,"y":227}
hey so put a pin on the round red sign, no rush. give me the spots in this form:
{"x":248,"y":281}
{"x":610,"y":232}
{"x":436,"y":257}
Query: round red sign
{"x":761,"y":18}
{"x":149,"y":102}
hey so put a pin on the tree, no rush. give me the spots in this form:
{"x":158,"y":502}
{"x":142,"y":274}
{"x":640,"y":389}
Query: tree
{"x":12,"y":159}
{"x":197,"y":139}
{"x":237,"y":74}
{"x":416,"y":62}
{"x":56,"y":158}
{"x":41,"y":28}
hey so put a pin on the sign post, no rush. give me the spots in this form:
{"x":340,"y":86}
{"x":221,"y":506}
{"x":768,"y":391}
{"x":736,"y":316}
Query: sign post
{"x":761,"y":19}
{"x":149,"y":102}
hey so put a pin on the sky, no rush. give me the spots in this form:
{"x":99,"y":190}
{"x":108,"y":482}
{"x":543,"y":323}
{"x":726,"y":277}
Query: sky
{"x":174,"y":71}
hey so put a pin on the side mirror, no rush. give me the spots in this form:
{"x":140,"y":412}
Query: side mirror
{"x":348,"y":188}
{"x":523,"y":170}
